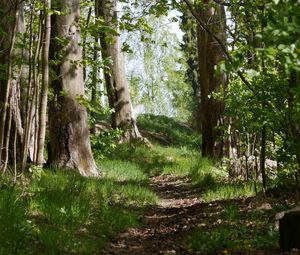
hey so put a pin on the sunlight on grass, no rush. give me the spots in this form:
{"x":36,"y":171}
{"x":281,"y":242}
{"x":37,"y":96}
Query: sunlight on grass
{"x":121,"y":171}
{"x":63,"y":212}
{"x":136,"y":195}
{"x":215,"y":184}
{"x":177,"y":134}
{"x":182,"y":160}
{"x":229,"y":191}
{"x":202,"y":170}
{"x":65,"y":208}
{"x":148,"y":160}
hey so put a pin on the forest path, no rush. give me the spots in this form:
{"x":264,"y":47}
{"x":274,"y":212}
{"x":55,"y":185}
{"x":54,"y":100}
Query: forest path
{"x":166,"y":224}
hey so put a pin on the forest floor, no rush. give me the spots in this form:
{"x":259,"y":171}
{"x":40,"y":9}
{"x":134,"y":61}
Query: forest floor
{"x":199,"y":209}
{"x":159,"y":199}
{"x":167,"y":225}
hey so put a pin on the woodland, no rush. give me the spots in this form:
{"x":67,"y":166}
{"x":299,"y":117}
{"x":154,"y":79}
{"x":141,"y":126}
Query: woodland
{"x":149,"y":127}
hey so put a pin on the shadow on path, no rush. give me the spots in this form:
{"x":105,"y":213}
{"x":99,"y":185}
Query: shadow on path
{"x":166,"y":224}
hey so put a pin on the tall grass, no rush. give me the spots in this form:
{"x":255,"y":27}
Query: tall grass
{"x":14,"y":224}
{"x":61,"y":212}
{"x":226,"y":191}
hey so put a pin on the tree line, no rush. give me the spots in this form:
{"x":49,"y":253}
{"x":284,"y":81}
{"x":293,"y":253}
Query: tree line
{"x":42,"y":82}
{"x":246,"y":81}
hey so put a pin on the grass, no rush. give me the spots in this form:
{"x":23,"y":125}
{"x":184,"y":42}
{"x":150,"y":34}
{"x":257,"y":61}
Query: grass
{"x":235,"y":231}
{"x":14,"y":226}
{"x":176,"y":134}
{"x":120,"y":171}
{"x":226,"y":191}
{"x":232,"y":239}
{"x":60,"y":212}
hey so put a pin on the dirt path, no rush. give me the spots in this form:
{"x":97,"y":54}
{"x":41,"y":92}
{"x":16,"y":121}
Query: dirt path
{"x":166,"y":224}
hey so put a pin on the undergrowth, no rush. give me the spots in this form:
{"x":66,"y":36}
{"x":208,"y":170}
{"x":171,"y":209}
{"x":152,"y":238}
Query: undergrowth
{"x":60,"y":212}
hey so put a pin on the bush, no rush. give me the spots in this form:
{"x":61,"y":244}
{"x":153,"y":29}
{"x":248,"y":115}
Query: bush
{"x":105,"y":142}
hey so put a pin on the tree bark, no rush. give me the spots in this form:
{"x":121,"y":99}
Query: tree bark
{"x":31,"y":97}
{"x":115,"y":78}
{"x":210,"y":54}
{"x":69,"y":132}
{"x":45,"y":83}
{"x":7,"y":41}
{"x":95,"y":74}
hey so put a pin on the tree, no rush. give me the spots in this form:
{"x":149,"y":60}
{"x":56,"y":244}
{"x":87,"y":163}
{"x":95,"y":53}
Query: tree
{"x":7,"y":43}
{"x":115,"y":77}
{"x":189,"y":48}
{"x":210,"y":54}
{"x":45,"y":84}
{"x":69,"y":132}
{"x":156,"y":66}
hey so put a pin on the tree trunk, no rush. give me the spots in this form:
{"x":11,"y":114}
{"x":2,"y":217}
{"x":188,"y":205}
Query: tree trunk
{"x":45,"y":83}
{"x":115,"y":78}
{"x":189,"y":47}
{"x":263,"y":157}
{"x":210,"y":54}
{"x":95,"y":74}
{"x":31,"y":97}
{"x":69,"y":132}
{"x":7,"y":41}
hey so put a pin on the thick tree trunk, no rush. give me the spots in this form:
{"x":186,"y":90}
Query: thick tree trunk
{"x":69,"y":132}
{"x":115,"y":79}
{"x":293,"y":127}
{"x":210,"y":54}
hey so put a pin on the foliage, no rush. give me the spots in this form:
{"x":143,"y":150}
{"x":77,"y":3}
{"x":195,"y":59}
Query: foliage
{"x":105,"y":142}
{"x":157,"y":75}
{"x":264,"y":45}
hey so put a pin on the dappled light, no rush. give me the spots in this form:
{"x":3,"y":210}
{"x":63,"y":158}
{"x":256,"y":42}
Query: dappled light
{"x":149,"y":127}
